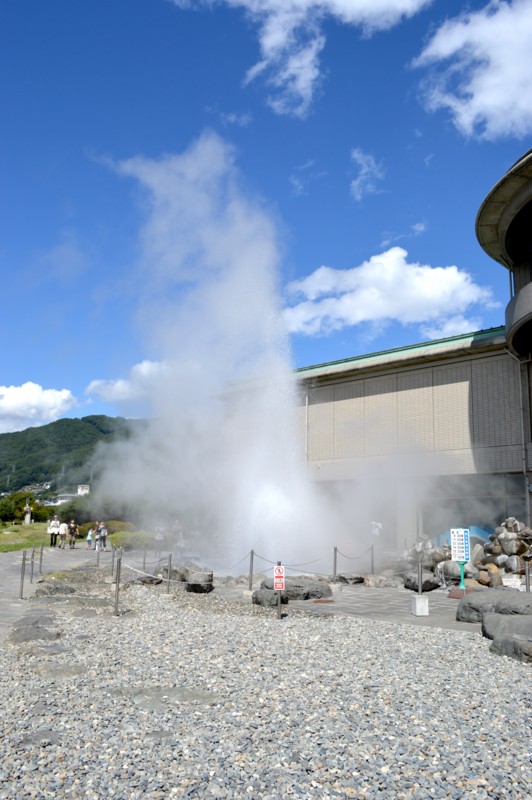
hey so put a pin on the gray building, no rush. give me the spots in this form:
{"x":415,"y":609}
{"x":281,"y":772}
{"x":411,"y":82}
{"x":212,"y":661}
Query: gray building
{"x":435,"y":435}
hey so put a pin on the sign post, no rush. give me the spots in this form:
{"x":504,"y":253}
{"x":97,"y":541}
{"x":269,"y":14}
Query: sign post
{"x":460,"y":550}
{"x":278,"y":584}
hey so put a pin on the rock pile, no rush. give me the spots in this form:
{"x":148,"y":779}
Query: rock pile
{"x":505,"y":549}
{"x":503,"y":554}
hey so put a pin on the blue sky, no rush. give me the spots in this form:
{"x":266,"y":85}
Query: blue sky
{"x":354,"y":141}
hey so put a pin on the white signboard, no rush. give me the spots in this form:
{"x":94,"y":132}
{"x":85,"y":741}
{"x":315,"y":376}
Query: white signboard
{"x":278,"y":577}
{"x":460,"y":548}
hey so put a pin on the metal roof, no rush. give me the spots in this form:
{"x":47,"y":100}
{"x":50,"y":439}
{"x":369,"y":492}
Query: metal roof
{"x":491,"y":338}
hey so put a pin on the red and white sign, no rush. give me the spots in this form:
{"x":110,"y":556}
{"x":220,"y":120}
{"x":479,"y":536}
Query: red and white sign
{"x":278,"y":577}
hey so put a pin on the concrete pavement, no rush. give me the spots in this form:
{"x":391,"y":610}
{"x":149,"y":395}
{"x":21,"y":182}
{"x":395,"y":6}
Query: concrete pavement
{"x":11,"y":606}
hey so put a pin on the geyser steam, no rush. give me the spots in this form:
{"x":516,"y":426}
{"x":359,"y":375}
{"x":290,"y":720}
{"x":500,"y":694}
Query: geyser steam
{"x":222,"y":452}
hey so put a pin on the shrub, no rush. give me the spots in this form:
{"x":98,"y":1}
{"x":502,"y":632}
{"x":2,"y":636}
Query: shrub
{"x":131,"y":540}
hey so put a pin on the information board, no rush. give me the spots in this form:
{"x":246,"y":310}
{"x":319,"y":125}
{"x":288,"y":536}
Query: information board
{"x":460,"y":547}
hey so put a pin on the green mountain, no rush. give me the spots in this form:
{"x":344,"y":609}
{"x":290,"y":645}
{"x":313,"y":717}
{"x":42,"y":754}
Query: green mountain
{"x":60,"y":453}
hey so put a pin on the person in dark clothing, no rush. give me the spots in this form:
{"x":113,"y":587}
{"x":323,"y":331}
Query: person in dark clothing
{"x":72,"y":533}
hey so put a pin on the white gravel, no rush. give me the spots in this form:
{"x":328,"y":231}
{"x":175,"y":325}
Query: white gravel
{"x":193,"y":696}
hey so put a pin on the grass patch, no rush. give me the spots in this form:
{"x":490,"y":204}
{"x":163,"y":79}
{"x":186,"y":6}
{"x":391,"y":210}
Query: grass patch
{"x":23,"y":537}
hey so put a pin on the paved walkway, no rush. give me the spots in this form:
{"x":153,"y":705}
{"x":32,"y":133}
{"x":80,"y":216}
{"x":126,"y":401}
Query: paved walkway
{"x":393,"y":605}
{"x":11,"y":606}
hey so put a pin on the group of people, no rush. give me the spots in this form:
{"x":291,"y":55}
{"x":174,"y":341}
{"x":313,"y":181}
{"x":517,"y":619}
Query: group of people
{"x":98,"y":535}
{"x":60,"y":530}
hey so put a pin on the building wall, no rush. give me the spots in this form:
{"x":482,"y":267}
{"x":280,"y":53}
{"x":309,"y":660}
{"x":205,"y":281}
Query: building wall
{"x":385,"y":429}
{"x":467,"y":412}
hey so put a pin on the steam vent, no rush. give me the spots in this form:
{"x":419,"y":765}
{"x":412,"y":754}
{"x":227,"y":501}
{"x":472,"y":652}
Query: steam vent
{"x":504,"y":230}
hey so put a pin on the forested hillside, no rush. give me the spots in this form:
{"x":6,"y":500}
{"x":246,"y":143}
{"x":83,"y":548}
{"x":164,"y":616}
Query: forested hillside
{"x":60,"y":452}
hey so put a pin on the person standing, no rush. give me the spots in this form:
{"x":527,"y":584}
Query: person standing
{"x":63,"y":530}
{"x":96,"y":534}
{"x":89,"y":539}
{"x":72,"y":533}
{"x":53,"y":530}
{"x":103,"y":535}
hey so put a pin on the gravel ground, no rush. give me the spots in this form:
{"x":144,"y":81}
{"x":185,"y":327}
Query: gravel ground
{"x":195,"y":696}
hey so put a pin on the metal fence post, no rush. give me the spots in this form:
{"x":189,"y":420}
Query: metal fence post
{"x":40,"y":559}
{"x":117,"y":583}
{"x":372,"y":548}
{"x":335,"y":559}
{"x":32,"y":563}
{"x":22,"y":571}
{"x":169,"y":571}
{"x":250,"y":581}
{"x":144,"y":557}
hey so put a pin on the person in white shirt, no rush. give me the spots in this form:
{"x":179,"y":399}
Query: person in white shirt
{"x":53,"y":530}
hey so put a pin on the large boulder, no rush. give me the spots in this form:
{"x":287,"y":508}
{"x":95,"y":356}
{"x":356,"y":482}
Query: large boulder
{"x":511,"y":635}
{"x":199,"y":582}
{"x":515,"y":564}
{"x":429,"y":581}
{"x":500,"y":601}
{"x":301,"y":588}
{"x":451,"y":571}
{"x":268,"y":598}
{"x":197,"y":579}
{"x":343,"y":577}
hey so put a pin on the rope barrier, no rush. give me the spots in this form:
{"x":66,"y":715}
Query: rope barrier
{"x":268,"y":561}
{"x":245,"y":558}
{"x":304,"y":564}
{"x":349,"y":558}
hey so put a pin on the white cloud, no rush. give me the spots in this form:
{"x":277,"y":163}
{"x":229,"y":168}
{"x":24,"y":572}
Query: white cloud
{"x":389,"y":238}
{"x":29,"y":405}
{"x":143,"y":379}
{"x":418,"y":228}
{"x":370,"y":172}
{"x":485,"y":75}
{"x":451,"y":326}
{"x":291,"y":39}
{"x":384,"y":289}
{"x":241,"y":120}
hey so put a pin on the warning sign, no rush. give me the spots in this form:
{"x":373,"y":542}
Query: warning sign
{"x":278,"y":577}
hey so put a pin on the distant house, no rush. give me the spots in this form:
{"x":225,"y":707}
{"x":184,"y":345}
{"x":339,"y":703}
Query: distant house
{"x":65,"y":498}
